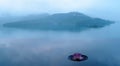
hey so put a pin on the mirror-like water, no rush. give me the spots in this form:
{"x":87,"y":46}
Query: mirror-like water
{"x":37,"y":48}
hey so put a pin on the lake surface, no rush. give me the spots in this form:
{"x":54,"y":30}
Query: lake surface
{"x":48,"y":48}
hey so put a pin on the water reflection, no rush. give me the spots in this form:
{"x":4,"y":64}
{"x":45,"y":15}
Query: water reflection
{"x":35,"y":48}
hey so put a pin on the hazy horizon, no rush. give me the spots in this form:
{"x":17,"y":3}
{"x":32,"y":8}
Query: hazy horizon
{"x":107,"y":9}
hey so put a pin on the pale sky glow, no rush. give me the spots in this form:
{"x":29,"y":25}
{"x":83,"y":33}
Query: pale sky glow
{"x":101,"y":8}
{"x":44,"y":5}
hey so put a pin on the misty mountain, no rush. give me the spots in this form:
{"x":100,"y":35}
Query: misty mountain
{"x":10,"y":18}
{"x":72,"y":21}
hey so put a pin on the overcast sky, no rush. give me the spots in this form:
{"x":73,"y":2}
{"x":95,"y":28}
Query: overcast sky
{"x":90,"y":7}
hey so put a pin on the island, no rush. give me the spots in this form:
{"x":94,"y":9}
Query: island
{"x":72,"y":21}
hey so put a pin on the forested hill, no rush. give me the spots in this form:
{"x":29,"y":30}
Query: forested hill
{"x":72,"y":21}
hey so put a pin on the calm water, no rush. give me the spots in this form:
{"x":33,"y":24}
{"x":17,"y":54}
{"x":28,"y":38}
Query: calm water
{"x":37,"y":48}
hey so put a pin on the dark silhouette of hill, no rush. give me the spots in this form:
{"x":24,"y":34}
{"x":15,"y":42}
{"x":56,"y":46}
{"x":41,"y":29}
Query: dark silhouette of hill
{"x":72,"y":21}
